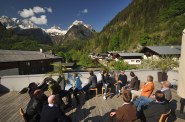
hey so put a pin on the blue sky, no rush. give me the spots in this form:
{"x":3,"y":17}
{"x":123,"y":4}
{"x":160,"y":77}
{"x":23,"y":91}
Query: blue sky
{"x":46,"y":13}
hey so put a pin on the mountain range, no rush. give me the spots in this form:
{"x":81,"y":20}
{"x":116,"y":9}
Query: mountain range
{"x":23,"y":27}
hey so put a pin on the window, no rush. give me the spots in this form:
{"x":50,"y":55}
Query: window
{"x":28,"y":63}
{"x":137,"y":61}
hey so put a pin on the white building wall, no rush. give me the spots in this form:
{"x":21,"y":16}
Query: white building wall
{"x":18,"y":82}
{"x":133,"y":61}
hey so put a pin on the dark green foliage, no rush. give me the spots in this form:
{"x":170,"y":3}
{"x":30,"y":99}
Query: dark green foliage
{"x":10,"y":40}
{"x":86,"y":61}
{"x":144,"y":22}
{"x":145,"y":39}
{"x":120,"y":65}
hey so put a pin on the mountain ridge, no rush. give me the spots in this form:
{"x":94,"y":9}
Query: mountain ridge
{"x":143,"y":22}
{"x":78,"y":30}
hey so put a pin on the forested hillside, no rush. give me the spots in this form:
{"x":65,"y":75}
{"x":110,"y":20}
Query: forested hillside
{"x":143,"y":22}
{"x":10,"y":40}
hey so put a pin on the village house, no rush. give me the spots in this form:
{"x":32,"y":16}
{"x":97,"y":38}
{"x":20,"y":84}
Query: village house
{"x":15,"y":62}
{"x":155,"y":52}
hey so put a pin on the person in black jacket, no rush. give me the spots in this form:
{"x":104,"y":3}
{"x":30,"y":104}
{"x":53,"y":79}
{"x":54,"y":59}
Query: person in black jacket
{"x":106,"y":82}
{"x":122,"y":80}
{"x":35,"y":105}
{"x":156,"y":108}
{"x":53,"y":113}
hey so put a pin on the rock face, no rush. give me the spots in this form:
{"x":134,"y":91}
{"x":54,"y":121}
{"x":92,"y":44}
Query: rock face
{"x":77,"y":32}
{"x":36,"y":34}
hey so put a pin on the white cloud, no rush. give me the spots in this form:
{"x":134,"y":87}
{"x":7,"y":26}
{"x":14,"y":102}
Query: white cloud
{"x":49,"y":9}
{"x":38,"y":9}
{"x":84,"y":11}
{"x":42,"y":20}
{"x":26,"y":13}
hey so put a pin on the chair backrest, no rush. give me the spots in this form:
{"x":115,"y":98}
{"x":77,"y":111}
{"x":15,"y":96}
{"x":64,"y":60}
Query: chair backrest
{"x":164,"y":117}
{"x":22,"y":114}
{"x":137,"y":85}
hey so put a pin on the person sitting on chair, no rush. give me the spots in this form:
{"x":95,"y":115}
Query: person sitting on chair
{"x":166,"y":90}
{"x":77,"y":87}
{"x":106,"y":82}
{"x":127,"y":112}
{"x":52,"y":112}
{"x":34,"y":107}
{"x":92,"y":83}
{"x":92,"y":80}
{"x":134,"y":83}
{"x":144,"y":101}
{"x":154,"y":110}
{"x":122,"y":80}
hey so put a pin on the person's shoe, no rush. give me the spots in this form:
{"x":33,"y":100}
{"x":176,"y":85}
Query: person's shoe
{"x":104,"y":97}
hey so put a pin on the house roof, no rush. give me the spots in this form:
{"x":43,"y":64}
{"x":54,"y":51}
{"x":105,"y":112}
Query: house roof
{"x":16,"y":55}
{"x":130,"y":54}
{"x":165,"y":50}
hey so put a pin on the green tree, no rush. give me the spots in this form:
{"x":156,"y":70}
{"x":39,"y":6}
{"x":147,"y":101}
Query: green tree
{"x":144,"y":39}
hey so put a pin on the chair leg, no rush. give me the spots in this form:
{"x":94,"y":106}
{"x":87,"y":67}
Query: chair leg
{"x":96,"y":91}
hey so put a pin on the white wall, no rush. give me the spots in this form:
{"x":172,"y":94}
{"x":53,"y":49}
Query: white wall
{"x":18,"y":82}
{"x":133,"y":61}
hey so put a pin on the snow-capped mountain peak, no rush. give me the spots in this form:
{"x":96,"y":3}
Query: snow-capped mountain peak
{"x":55,"y":30}
{"x":7,"y":22}
{"x":17,"y":23}
{"x":79,"y":22}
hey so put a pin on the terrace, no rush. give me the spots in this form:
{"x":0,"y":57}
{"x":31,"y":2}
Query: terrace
{"x":94,"y":110}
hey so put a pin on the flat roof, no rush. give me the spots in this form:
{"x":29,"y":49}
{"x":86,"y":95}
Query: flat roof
{"x":17,"y":55}
{"x":165,"y":50}
{"x":130,"y":54}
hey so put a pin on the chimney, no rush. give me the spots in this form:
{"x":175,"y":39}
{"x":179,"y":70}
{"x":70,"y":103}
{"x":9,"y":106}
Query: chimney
{"x":41,"y":51}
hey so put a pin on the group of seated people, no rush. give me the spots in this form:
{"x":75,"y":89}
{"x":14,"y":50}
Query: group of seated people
{"x":41,"y":107}
{"x":142,"y":104}
{"x":146,"y":106}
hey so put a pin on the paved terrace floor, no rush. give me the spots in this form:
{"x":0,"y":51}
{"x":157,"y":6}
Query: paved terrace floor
{"x":94,"y":110}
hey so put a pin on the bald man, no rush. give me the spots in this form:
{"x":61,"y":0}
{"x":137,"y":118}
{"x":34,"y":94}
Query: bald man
{"x":166,"y":90}
{"x":52,"y":113}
